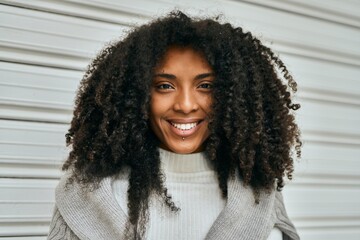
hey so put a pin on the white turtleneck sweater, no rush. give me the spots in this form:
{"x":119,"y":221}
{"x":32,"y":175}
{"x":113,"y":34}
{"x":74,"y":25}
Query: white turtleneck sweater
{"x":193,"y":185}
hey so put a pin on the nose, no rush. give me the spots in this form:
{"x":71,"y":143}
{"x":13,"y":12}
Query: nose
{"x":186,"y":102}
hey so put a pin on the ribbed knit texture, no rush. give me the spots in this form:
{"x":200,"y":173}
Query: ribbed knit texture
{"x":102,"y":214}
{"x":193,"y":185}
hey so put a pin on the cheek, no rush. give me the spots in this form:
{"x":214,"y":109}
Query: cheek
{"x":156,"y":107}
{"x":158,"y":110}
{"x":206,"y":104}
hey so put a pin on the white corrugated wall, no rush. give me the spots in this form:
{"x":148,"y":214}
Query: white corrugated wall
{"x":46,"y":45}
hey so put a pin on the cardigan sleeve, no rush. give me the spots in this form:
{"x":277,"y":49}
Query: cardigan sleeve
{"x":282,"y":220}
{"x":59,"y":229}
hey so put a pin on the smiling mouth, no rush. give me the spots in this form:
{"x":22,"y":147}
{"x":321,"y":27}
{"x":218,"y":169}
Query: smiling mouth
{"x":185,"y":129}
{"x":184,"y":126}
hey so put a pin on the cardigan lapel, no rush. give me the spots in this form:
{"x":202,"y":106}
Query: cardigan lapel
{"x":96,"y":215}
{"x":242,"y":218}
{"x":92,"y":215}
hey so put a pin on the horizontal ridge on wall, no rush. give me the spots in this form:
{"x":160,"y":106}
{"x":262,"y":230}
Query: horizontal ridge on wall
{"x":330,"y":138}
{"x":135,"y":12}
{"x":42,"y":149}
{"x":37,"y":93}
{"x":335,"y":97}
{"x":327,"y":165}
{"x":40,"y":82}
{"x":17,"y":218}
{"x":346,"y":131}
{"x":28,"y":213}
{"x":120,"y":13}
{"x":340,"y":46}
{"x":347,"y":14}
{"x":332,"y":203}
{"x":45,"y":47}
{"x":45,"y":39}
{"x":319,"y":80}
{"x":46,"y":94}
{"x":330,"y":233}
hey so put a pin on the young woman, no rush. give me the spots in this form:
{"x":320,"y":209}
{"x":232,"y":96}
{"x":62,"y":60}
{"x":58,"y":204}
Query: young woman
{"x":183,"y":130}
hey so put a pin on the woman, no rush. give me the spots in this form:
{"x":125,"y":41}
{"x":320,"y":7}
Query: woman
{"x":183,"y":130}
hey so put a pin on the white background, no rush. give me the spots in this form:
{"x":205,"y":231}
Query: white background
{"x":46,"y":45}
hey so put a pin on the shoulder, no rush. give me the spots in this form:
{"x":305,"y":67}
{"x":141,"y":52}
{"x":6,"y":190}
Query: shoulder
{"x":82,"y":208}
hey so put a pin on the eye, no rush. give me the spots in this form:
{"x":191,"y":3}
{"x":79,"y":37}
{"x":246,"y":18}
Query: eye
{"x":206,"y":86}
{"x":164,"y":86}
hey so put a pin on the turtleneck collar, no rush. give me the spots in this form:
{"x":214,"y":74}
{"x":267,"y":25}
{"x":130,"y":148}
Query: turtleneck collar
{"x":184,"y":163}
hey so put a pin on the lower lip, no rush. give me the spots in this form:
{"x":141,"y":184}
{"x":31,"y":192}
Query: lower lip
{"x":185,"y":133}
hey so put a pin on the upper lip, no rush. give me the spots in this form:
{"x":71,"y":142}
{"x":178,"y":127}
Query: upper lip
{"x":185,"y":120}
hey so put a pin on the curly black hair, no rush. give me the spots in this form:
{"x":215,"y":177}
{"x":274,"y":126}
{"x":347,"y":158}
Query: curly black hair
{"x":252,"y":125}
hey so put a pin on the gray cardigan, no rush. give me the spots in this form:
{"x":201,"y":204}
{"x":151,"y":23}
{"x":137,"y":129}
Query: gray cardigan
{"x":96,"y":215}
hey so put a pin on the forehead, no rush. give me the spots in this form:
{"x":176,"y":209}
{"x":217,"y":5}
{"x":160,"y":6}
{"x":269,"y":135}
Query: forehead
{"x":183,"y":57}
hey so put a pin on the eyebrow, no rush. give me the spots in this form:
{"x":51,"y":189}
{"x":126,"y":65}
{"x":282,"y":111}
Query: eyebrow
{"x":172,"y":76}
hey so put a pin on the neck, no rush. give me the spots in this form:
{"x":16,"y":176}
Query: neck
{"x":184,"y":163}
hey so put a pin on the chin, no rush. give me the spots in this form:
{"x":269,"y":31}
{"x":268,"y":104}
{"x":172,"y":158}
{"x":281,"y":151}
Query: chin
{"x":184,"y":149}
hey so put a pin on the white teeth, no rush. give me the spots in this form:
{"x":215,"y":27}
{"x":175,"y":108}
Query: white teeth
{"x":186,"y":126}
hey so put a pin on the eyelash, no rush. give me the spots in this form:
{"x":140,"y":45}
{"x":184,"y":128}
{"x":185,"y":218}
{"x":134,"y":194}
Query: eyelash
{"x":210,"y":86}
{"x":161,"y":86}
{"x":168,"y":86}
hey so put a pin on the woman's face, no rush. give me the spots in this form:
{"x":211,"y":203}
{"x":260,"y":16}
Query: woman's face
{"x":181,"y":98}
